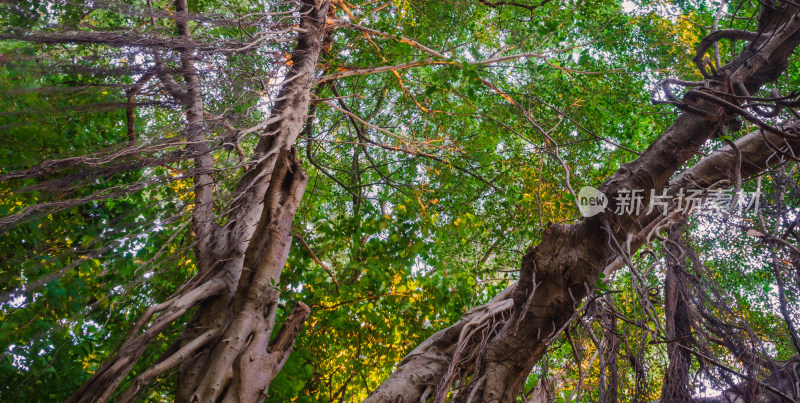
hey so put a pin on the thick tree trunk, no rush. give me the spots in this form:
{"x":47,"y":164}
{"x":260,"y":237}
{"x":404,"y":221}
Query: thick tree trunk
{"x":225,"y":353}
{"x":255,"y":243}
{"x":557,"y":274}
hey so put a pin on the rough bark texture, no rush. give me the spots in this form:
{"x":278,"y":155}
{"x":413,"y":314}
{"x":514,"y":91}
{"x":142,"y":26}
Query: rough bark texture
{"x":225,"y":353}
{"x":558,"y":273}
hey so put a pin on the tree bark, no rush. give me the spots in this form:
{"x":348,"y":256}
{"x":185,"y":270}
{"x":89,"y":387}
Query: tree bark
{"x":557,"y":274}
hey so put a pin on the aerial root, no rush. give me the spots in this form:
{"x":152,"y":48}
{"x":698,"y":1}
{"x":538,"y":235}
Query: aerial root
{"x":481,"y":328}
{"x":714,"y":37}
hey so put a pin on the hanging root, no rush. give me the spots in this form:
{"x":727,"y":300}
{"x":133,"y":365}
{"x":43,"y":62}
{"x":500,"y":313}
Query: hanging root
{"x":473,"y":338}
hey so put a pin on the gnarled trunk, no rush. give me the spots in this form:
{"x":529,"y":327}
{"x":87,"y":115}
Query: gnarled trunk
{"x":225,"y":352}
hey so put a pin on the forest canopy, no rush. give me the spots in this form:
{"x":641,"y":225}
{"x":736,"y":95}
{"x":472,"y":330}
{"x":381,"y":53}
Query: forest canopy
{"x":399,"y":201}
